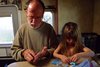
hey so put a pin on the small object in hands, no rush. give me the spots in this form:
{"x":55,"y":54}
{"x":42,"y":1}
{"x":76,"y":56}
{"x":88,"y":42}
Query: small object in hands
{"x":73,"y":63}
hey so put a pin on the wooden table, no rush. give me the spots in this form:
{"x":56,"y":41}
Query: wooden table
{"x":42,"y":63}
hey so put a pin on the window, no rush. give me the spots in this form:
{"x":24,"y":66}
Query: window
{"x":48,"y":17}
{"x":6,"y":30}
{"x":8,"y":24}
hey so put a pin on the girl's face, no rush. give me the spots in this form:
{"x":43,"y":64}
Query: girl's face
{"x":69,"y":35}
{"x":70,"y":41}
{"x":68,"y":32}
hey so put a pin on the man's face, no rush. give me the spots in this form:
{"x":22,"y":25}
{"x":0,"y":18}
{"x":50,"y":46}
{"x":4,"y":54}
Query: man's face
{"x":34,"y":14}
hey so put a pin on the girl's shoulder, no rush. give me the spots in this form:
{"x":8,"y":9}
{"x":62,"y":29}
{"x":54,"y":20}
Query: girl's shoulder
{"x":86,"y":49}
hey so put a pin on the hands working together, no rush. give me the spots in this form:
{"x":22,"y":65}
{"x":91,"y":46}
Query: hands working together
{"x":66,"y":59}
{"x":32,"y":56}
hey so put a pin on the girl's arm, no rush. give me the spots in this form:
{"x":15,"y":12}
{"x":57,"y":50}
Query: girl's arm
{"x":87,"y":53}
{"x":55,"y":54}
{"x":62,"y":57}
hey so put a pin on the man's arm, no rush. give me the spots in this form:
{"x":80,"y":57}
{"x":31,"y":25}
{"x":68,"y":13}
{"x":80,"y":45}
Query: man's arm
{"x":16,"y":47}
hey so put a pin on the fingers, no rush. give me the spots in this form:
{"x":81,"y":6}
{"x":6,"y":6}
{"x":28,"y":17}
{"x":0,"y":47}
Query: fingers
{"x":67,"y":61}
{"x":73,"y":59}
{"x":44,"y":49}
{"x":32,"y":52}
{"x":37,"y":57}
{"x":28,"y":58}
{"x":40,"y":54}
{"x":28,"y":55}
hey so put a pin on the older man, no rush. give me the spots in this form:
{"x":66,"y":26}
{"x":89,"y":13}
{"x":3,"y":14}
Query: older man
{"x":35,"y":39}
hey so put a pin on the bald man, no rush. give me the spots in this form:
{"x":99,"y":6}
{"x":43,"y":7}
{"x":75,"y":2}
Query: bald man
{"x":35,"y":39}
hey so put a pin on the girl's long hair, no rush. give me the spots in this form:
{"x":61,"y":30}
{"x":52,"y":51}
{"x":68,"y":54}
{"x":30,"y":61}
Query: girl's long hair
{"x":74,"y":33}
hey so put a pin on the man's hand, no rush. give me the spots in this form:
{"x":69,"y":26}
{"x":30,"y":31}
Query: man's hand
{"x":44,"y":51}
{"x":40,"y":55}
{"x":37,"y":57}
{"x":29,"y":55}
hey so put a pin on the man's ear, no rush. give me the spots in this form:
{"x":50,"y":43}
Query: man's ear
{"x":26,"y":11}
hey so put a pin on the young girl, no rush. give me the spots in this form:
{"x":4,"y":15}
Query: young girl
{"x":71,"y":49}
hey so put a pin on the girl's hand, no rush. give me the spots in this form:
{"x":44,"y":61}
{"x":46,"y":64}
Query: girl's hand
{"x":74,"y":58}
{"x":65,"y":59}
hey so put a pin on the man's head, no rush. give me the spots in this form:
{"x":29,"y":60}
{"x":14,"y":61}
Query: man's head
{"x":35,"y":11}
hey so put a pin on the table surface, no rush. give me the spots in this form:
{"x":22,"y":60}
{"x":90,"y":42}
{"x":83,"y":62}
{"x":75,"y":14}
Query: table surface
{"x":42,"y":63}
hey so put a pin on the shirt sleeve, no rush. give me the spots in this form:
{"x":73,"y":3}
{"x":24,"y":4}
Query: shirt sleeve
{"x":17,"y":47}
